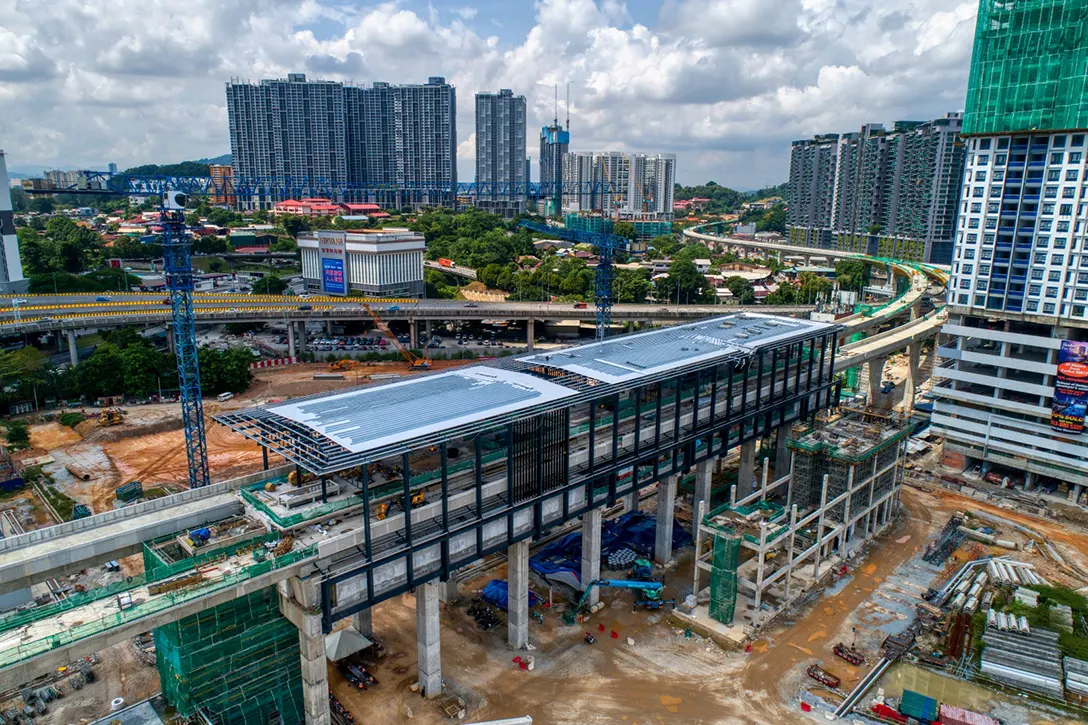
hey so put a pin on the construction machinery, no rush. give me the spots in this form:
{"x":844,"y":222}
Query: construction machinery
{"x":414,"y":361}
{"x":111,"y":416}
{"x":849,"y":654}
{"x":823,"y":676}
{"x":343,"y":366}
{"x":650,"y":591}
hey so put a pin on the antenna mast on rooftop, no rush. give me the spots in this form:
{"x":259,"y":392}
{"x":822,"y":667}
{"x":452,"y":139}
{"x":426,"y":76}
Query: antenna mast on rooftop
{"x":555,"y":120}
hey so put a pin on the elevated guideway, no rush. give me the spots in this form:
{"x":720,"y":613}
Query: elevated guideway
{"x":879,"y":346}
{"x":43,"y":313}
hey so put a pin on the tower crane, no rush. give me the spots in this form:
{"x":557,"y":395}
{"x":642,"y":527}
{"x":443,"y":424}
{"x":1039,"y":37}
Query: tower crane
{"x":178,"y":267}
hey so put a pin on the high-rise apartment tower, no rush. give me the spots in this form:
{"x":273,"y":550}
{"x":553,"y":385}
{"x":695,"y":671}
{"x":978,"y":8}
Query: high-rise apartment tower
{"x":1011,"y":393}
{"x":500,"y":152}
{"x":323,"y":134}
{"x":887,"y":192}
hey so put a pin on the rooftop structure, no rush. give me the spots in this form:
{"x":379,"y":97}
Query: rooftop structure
{"x":11,"y":268}
{"x":378,"y":262}
{"x":323,"y":435}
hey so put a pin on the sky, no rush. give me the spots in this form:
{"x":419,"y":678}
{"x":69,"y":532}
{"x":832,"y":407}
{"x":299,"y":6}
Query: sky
{"x":726,"y":85}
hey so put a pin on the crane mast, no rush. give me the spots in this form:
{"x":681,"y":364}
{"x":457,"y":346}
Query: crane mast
{"x":178,"y":266}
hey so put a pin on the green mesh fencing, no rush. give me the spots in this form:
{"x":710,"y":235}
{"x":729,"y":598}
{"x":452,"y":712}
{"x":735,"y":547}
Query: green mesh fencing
{"x":238,"y":662}
{"x":723,"y":577}
{"x":1028,"y":67}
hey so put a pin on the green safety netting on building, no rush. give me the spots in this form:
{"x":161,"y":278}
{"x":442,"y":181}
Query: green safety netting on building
{"x":1028,"y":67}
{"x":723,"y":576}
{"x":238,"y":662}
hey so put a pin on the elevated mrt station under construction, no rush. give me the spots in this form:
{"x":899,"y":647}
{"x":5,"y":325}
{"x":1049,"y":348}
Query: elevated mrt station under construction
{"x":394,"y":486}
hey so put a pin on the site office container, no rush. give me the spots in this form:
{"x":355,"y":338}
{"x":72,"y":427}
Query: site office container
{"x":918,"y":706}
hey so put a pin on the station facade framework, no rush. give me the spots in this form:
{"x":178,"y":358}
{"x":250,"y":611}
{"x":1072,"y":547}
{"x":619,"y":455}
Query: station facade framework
{"x":520,"y":445}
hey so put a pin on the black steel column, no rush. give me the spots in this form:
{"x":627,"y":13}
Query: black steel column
{"x":445,"y":545}
{"x":479,"y":497}
{"x":407,"y":486}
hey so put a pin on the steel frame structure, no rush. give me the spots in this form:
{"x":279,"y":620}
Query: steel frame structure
{"x":177,"y":263}
{"x":726,"y":401}
{"x":602,"y":278}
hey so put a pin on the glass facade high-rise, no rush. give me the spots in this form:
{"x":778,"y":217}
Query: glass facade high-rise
{"x":554,"y":146}
{"x":325,"y":134}
{"x":1018,"y":293}
{"x":885,"y":192}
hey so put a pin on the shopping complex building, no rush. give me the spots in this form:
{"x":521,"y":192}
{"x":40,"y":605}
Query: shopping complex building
{"x":1010,"y":397}
{"x":376,"y":262}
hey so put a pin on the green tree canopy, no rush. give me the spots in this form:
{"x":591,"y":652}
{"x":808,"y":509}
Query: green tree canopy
{"x":270,"y":285}
{"x":684,"y":285}
{"x":742,"y":290}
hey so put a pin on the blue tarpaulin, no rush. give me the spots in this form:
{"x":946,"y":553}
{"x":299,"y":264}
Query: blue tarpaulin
{"x":496,"y":593}
{"x":634,"y":530}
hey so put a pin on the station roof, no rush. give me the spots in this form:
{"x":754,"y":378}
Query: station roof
{"x":333,"y":431}
{"x":625,"y":358}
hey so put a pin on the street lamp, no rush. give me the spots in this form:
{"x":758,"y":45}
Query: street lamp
{"x":15,"y":309}
{"x":124,"y":278}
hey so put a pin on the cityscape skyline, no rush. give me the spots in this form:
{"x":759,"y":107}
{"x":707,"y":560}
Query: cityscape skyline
{"x":644,"y":77}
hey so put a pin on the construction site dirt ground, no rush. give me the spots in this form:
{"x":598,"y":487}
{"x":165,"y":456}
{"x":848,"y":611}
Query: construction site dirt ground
{"x":119,"y":673}
{"x":666,"y":676}
{"x":149,"y":446}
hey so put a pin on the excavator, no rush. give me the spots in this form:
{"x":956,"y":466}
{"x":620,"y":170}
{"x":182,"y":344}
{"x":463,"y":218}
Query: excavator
{"x":111,"y":416}
{"x":414,"y":361}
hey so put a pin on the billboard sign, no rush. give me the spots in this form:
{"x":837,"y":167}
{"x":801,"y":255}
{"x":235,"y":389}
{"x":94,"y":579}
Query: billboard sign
{"x":332,"y":275}
{"x":1068,"y":408}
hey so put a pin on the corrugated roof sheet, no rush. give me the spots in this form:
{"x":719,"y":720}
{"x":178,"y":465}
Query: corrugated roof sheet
{"x":372,"y":417}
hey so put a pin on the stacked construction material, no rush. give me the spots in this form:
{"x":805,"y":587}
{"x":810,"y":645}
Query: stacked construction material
{"x":1076,"y":676}
{"x":1027,"y":660}
{"x":129,"y":492}
{"x":951,"y":715}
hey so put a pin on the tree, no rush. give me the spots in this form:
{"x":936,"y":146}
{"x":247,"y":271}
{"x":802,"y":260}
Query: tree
{"x":224,"y":371}
{"x":283,"y":244}
{"x":773,"y":220}
{"x":103,"y":373}
{"x":42,"y":205}
{"x":664,"y":246}
{"x":220,"y":217}
{"x":20,"y":200}
{"x":786,"y":294}
{"x":813,"y":288}
{"x":626,"y":230}
{"x":742,"y":290}
{"x":852,"y":274}
{"x":270,"y":285}
{"x":294,"y":225}
{"x":215,"y":265}
{"x":684,"y":285}
{"x":141,"y":366}
{"x":631,"y":286}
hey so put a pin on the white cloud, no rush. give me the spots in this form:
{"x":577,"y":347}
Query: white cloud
{"x":725,"y":84}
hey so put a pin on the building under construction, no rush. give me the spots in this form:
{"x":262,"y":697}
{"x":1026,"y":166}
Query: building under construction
{"x":771,"y":546}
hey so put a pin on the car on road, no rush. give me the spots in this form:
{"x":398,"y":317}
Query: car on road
{"x":471,"y":304}
{"x":305,"y":308}
{"x":101,"y":298}
{"x":580,"y":305}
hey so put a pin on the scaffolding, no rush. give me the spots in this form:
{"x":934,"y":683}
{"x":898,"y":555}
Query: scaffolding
{"x":238,"y":662}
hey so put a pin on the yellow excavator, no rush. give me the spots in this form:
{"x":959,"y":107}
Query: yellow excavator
{"x":414,"y":361}
{"x":343,"y":366}
{"x":111,"y":416}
